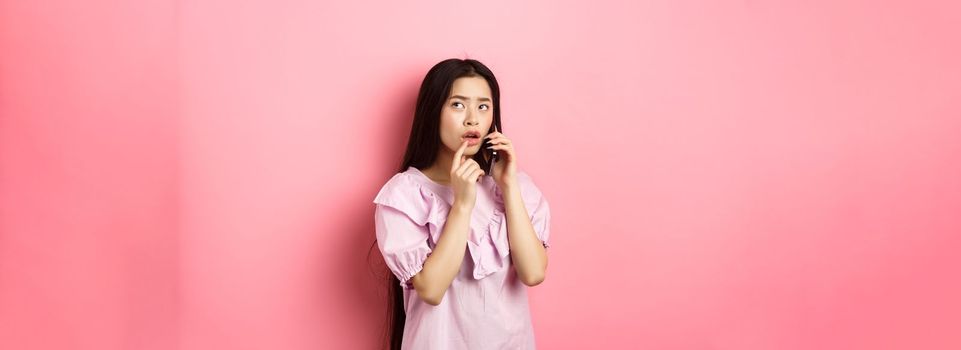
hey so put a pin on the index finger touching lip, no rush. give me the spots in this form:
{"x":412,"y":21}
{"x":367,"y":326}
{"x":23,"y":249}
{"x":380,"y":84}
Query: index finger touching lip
{"x":458,"y":155}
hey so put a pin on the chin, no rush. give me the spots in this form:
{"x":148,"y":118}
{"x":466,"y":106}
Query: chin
{"x":470,"y":150}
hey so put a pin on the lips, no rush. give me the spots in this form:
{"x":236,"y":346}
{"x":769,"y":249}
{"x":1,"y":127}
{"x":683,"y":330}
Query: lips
{"x":472,"y":137}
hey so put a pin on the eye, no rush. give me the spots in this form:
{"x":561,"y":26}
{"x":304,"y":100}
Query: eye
{"x":457,"y":105}
{"x":484,"y":107}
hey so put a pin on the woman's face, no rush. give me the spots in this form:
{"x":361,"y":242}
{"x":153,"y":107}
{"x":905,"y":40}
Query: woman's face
{"x":469,"y":107}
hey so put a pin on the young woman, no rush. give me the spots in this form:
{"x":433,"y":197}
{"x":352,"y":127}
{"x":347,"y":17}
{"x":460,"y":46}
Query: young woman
{"x":462,"y":244}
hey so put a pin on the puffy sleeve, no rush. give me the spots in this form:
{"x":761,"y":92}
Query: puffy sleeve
{"x":537,"y":207}
{"x":401,"y":215}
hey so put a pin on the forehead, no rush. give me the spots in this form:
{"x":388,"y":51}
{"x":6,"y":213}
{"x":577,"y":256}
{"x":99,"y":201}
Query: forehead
{"x":472,"y":87}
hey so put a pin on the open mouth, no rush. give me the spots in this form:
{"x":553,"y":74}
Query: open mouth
{"x":472,"y":137}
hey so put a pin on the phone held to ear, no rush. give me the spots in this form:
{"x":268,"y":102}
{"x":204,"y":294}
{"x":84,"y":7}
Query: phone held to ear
{"x":492,"y":156}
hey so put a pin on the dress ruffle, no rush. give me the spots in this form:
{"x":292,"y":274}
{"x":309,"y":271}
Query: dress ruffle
{"x":487,"y":240}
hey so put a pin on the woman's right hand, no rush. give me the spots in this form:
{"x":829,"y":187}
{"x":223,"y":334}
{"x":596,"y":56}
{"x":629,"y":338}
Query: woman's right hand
{"x":464,"y":174}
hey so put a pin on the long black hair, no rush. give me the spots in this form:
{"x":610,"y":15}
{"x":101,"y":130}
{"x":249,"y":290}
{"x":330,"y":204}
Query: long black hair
{"x":422,"y":147}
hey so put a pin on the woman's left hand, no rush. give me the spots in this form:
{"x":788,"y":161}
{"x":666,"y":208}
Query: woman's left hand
{"x":505,"y":168}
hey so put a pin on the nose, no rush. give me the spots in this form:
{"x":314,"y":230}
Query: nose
{"x":470,"y":120}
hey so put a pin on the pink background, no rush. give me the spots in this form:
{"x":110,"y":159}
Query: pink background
{"x":722,"y":175}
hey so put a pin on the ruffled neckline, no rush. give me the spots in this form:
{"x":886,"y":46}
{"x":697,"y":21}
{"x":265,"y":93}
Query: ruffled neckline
{"x":487,"y":242}
{"x":487,"y":181}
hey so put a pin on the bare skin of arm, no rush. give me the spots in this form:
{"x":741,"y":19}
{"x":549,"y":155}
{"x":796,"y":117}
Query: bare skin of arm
{"x":527,"y":252}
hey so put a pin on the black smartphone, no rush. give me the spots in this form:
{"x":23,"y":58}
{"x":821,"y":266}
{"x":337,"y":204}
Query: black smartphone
{"x":491,"y":153}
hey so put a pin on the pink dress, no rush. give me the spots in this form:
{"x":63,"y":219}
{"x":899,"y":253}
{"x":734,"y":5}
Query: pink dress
{"x":485,"y":306}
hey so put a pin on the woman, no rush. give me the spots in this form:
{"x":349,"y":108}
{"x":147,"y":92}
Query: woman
{"x":462,"y":245}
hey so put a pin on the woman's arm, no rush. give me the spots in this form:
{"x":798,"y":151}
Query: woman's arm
{"x":527,"y":252}
{"x":445,"y":260}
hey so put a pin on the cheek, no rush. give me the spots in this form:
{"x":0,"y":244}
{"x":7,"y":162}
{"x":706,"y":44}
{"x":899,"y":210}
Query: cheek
{"x":446,"y":118}
{"x":448,"y":128}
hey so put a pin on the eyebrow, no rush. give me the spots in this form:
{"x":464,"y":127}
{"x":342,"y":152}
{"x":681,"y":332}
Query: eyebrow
{"x":465,"y":98}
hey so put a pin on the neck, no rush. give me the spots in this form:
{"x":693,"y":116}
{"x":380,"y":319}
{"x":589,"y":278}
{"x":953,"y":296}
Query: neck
{"x":440,"y":170}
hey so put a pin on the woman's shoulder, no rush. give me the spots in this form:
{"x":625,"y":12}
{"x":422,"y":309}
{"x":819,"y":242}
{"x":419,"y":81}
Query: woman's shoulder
{"x":399,"y":186}
{"x":529,"y":189}
{"x":405,"y":192}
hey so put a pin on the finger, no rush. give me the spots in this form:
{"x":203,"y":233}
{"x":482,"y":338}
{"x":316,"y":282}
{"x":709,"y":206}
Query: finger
{"x":493,"y":134}
{"x":466,"y":175}
{"x":476,"y":175}
{"x":501,"y":140}
{"x":506,"y":150}
{"x":469,"y":166}
{"x":458,"y":156}
{"x":466,"y":168}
